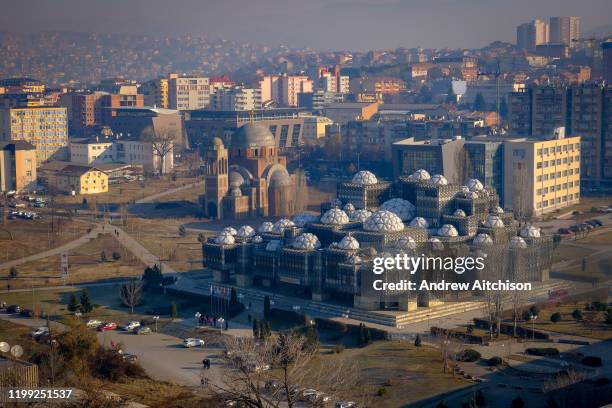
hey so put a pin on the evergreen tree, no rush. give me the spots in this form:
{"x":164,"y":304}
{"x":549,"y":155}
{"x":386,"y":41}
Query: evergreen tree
{"x":13,"y":273}
{"x":518,"y":403}
{"x":417,"y":340}
{"x":173,"y":311}
{"x":86,"y":305}
{"x":103,"y":257}
{"x":256,"y":329}
{"x":479,"y":102}
{"x":451,"y":99}
{"x":503,"y":109}
{"x":233,"y":298}
{"x":577,"y":314}
{"x":266,"y":310}
{"x":73,"y":303}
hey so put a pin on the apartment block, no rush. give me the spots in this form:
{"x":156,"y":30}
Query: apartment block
{"x":44,"y":127}
{"x":541,"y":176}
{"x":17,"y":166}
{"x":237,"y":98}
{"x":188,"y":93}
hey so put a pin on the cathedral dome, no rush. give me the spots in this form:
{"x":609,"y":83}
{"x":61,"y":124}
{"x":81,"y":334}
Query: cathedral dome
{"x":364,"y":177}
{"x":383,"y":221}
{"x":348,"y":207}
{"x":280,"y":178}
{"x":217,"y":143}
{"x":253,"y":135}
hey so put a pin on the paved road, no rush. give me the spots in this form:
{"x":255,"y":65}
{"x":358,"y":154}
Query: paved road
{"x":163,"y":357}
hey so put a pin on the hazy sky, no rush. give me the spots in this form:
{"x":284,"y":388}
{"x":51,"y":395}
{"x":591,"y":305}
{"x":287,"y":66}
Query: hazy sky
{"x":320,"y":24}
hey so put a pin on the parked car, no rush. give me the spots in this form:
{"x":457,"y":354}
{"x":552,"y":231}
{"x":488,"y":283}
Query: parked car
{"x":563,"y":231}
{"x":598,"y":222}
{"x":306,"y":394}
{"x":193,"y":342}
{"x":13,"y":309}
{"x":36,"y":333}
{"x":577,"y":212}
{"x":26,"y":313}
{"x":272,"y":385}
{"x":3,"y":304}
{"x":93,"y":323}
{"x":132,"y":358}
{"x":107,"y":326}
{"x":319,"y":398}
{"x":130,"y":326}
{"x":345,"y":404}
{"x":142,"y":330}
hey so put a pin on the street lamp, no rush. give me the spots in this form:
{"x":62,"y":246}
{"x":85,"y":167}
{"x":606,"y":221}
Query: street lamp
{"x":155,"y":319}
{"x":533,"y":319}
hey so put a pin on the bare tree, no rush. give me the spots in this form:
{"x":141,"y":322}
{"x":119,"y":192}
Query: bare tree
{"x":520,"y":203}
{"x":270,"y":373}
{"x":131,"y":293}
{"x":193,"y":161}
{"x":517,"y":299}
{"x":162,"y":143}
{"x":301,"y":190}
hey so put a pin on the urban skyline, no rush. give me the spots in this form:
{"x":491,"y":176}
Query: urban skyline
{"x":326,"y":26}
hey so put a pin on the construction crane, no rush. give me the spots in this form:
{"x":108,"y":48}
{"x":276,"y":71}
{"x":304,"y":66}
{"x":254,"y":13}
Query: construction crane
{"x":497,"y":73}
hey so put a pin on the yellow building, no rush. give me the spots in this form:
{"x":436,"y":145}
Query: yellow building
{"x":17,"y":166}
{"x":45,"y":127}
{"x":75,"y":179}
{"x":541,"y":175}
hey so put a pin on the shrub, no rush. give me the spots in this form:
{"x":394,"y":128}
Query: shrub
{"x":116,"y":256}
{"x":381,"y":391}
{"x":555,"y":317}
{"x":527,"y":315}
{"x":469,"y":355}
{"x":389,"y":382}
{"x":598,"y":306}
{"x":535,"y":310}
{"x":332,"y":325}
{"x":494,"y":361}
{"x":173,"y":310}
{"x":417,"y":340}
{"x":110,"y":365}
{"x":103,"y":257}
{"x":182,"y":231}
{"x":13,"y":273}
{"x":577,"y":314}
{"x":517,"y":403}
{"x":592,"y":361}
{"x":338,"y":348}
{"x":542,"y":351}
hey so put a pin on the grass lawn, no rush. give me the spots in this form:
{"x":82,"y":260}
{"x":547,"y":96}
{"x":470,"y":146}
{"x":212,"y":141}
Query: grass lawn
{"x":17,"y":334}
{"x":33,"y":236}
{"x":161,"y":237}
{"x":85,"y":265}
{"x":408,"y":373}
{"x":128,"y":192}
{"x":569,"y":325}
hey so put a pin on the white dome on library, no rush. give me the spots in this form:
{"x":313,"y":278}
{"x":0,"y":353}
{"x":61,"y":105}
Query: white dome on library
{"x":364,"y":177}
{"x":335,"y":216}
{"x":400,"y":207}
{"x":383,"y":221}
{"x":306,"y":241}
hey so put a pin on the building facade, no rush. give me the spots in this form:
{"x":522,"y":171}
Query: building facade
{"x":185,"y":93}
{"x":565,"y":30}
{"x":17,"y":166}
{"x":541,"y":176}
{"x":528,"y":35}
{"x":82,"y":180}
{"x":44,"y":127}
{"x":247,"y":179}
{"x":236,"y":99}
